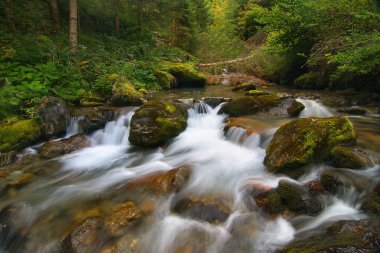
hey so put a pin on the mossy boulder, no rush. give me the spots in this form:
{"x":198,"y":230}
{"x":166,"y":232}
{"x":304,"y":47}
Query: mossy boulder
{"x":184,"y":74}
{"x":124,"y":94}
{"x":269,"y":201}
{"x":57,"y":148}
{"x":245,"y":87}
{"x":156,"y":122}
{"x":295,"y":109}
{"x":257,"y":93}
{"x":298,"y":198}
{"x":371,"y":202}
{"x":164,"y":79}
{"x":305,"y":141}
{"x":341,"y":236}
{"x":343,"y":157}
{"x":251,"y":105}
{"x":53,"y":114}
{"x":19,"y":134}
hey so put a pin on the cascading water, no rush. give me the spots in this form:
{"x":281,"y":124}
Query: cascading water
{"x":73,"y":126}
{"x":313,"y":109}
{"x":221,"y":166}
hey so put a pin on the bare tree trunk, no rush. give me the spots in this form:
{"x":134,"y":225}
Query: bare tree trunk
{"x":55,"y":14}
{"x":9,"y":16}
{"x":74,"y":26}
{"x":117,"y":16}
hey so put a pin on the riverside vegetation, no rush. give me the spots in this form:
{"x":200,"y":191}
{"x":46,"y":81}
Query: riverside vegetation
{"x":112,"y":139}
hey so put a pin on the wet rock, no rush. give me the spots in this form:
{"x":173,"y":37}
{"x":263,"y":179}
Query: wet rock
{"x":295,"y":109}
{"x":53,"y":114}
{"x":171,"y":181}
{"x":210,"y":209}
{"x":186,"y":102}
{"x":251,"y":105}
{"x":305,"y":141}
{"x":315,"y":187}
{"x":257,"y":93}
{"x":249,"y":124}
{"x":122,"y":217}
{"x":156,"y":122}
{"x":12,"y":230}
{"x":342,"y":236}
{"x":18,"y":135}
{"x":215,"y":101}
{"x":86,"y":237}
{"x":269,"y":201}
{"x":371,"y":202}
{"x":342,"y":157}
{"x":124,"y":94}
{"x":338,"y":179}
{"x":7,"y":158}
{"x":185,"y":75}
{"x":245,"y":87}
{"x":53,"y":149}
{"x":18,"y":177}
{"x":93,"y":118}
{"x":298,"y":198}
{"x":353,"y":111}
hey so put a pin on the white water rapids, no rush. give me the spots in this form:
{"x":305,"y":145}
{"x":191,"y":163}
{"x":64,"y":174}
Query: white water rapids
{"x":221,"y":166}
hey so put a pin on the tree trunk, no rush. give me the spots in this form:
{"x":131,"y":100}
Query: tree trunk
{"x":117,"y":16}
{"x":74,"y":26}
{"x":55,"y":14}
{"x":9,"y":16}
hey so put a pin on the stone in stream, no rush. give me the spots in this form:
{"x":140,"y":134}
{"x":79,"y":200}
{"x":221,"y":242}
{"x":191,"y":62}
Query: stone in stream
{"x":171,"y":181}
{"x":305,"y":141}
{"x":257,"y":93}
{"x":210,"y":209}
{"x":298,"y":198}
{"x":353,"y":111}
{"x":215,"y":101}
{"x":268,"y":200}
{"x":343,"y":157}
{"x":370,"y":203}
{"x":54,"y":149}
{"x":155,"y":122}
{"x":124,"y":94}
{"x":7,"y":158}
{"x":92,"y":118}
{"x":295,"y":109}
{"x":342,"y":236}
{"x":53,"y":114}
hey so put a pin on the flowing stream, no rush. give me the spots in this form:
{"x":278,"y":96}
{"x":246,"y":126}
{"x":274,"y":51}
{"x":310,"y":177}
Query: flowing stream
{"x":222,"y":165}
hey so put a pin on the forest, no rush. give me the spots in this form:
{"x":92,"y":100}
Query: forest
{"x":189,"y":126}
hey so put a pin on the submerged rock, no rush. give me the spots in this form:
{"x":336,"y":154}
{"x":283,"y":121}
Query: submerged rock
{"x":57,"y":148}
{"x":124,"y":94}
{"x":338,"y":179}
{"x":171,"y":181}
{"x":251,"y":105}
{"x":156,"y":122}
{"x":371,"y":202}
{"x":18,"y":135}
{"x":295,"y":109}
{"x":53,"y":114}
{"x":305,"y":141}
{"x":210,"y":209}
{"x":245,"y":87}
{"x":342,"y":157}
{"x":342,"y":236}
{"x":298,"y":198}
{"x":121,"y":217}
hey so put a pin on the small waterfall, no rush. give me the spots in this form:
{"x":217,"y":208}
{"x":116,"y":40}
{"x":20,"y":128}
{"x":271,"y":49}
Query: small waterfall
{"x":73,"y":127}
{"x":240,"y":136}
{"x":313,"y":109}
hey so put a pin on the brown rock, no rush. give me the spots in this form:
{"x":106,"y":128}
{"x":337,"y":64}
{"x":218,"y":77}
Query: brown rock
{"x":122,"y":217}
{"x":57,"y":148}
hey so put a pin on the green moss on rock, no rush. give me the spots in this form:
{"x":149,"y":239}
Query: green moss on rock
{"x":157,"y":121}
{"x":251,"y":105}
{"x":305,"y":141}
{"x":295,"y":109}
{"x":245,"y":87}
{"x":164,"y":79}
{"x":185,"y":74}
{"x":19,"y":135}
{"x":124,"y":94}
{"x":256,"y":93}
{"x":343,"y":157}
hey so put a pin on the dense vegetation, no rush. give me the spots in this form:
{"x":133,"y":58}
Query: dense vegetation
{"x":315,"y":44}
